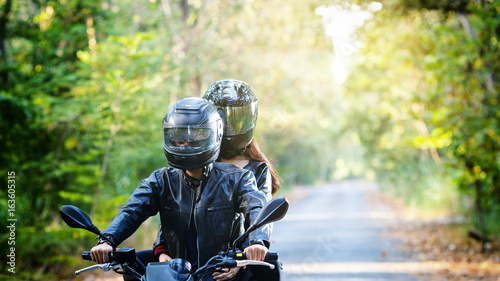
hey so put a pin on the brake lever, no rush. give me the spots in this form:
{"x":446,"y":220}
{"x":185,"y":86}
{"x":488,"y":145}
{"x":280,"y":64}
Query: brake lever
{"x":242,"y":263}
{"x":104,"y":267}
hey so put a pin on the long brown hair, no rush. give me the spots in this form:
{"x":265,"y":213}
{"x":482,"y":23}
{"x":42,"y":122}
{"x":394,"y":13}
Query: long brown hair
{"x":254,"y":152}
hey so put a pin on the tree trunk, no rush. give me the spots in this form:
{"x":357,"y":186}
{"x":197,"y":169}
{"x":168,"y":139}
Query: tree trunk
{"x":4,"y":17}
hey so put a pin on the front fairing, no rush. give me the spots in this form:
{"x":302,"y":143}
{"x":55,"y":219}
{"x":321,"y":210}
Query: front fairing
{"x":168,"y":271}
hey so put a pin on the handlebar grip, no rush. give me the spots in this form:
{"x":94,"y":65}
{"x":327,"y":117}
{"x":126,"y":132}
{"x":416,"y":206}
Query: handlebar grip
{"x":86,"y":256}
{"x":270,"y":256}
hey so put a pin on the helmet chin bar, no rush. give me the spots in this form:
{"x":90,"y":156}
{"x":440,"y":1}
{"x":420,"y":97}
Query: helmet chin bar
{"x":191,"y":162}
{"x":229,"y":154}
{"x":235,"y":145}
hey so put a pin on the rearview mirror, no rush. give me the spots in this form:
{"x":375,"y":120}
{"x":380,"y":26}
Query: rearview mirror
{"x":273,"y":211}
{"x":76,"y":218}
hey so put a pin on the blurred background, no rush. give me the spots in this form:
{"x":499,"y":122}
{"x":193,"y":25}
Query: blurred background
{"x":403,"y":93}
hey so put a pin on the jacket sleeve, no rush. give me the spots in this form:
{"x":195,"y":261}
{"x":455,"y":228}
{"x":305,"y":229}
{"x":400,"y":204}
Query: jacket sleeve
{"x":159,"y":246}
{"x":264,"y":180}
{"x":141,"y":205}
{"x":250,"y":202}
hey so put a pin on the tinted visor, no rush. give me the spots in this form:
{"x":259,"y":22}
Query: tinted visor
{"x":239,"y":119}
{"x":188,"y":139}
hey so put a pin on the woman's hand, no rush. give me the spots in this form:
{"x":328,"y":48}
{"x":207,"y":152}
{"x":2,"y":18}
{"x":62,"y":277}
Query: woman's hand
{"x":226,"y":275}
{"x":164,"y":258}
{"x":256,"y":252}
{"x":100,"y":253}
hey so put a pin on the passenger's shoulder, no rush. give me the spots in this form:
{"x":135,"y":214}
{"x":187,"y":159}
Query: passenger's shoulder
{"x":255,"y":166}
{"x":228,"y":168}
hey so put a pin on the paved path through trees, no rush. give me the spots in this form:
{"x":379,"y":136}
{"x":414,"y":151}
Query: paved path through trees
{"x":335,"y":232}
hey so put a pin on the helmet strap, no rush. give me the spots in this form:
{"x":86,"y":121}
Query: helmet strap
{"x":206,"y":170}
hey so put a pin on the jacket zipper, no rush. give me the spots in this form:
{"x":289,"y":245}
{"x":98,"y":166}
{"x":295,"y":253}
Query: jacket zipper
{"x":194,"y":199}
{"x":197,"y":199}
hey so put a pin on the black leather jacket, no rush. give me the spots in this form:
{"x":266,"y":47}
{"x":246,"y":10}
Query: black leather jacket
{"x":262,"y":175}
{"x":264,"y":184}
{"x":225,"y":191}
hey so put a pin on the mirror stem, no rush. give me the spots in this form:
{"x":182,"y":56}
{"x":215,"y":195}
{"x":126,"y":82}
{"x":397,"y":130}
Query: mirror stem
{"x":240,"y":239}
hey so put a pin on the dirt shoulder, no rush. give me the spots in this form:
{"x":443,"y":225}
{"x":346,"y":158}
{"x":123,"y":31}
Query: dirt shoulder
{"x":447,"y":251}
{"x":442,"y":248}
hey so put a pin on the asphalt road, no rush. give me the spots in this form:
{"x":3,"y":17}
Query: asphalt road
{"x":338,"y":232}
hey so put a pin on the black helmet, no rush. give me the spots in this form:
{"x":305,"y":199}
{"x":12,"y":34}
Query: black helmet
{"x":237,"y":106}
{"x":192,"y":134}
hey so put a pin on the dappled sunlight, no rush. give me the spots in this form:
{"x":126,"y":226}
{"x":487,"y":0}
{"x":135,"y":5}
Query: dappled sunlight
{"x":403,"y":93}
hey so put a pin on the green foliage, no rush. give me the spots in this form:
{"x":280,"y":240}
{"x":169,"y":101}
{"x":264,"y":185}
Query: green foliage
{"x":85,"y":85}
{"x":88,"y":84}
{"x":431,"y":119}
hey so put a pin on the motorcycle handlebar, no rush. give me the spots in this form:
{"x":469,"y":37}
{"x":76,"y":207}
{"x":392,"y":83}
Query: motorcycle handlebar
{"x":120,"y":256}
{"x":86,"y":256}
{"x":270,"y":256}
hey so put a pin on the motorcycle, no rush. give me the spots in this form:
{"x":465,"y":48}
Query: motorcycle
{"x":124,"y":260}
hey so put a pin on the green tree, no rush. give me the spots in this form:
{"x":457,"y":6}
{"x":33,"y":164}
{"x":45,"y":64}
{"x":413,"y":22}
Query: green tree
{"x":427,"y":102}
{"x":88,"y":83}
{"x":39,"y":40}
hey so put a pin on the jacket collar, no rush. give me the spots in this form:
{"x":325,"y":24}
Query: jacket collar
{"x":207,"y":171}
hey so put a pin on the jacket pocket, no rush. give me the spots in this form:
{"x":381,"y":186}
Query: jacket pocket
{"x":171,"y":221}
{"x":221,"y":218}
